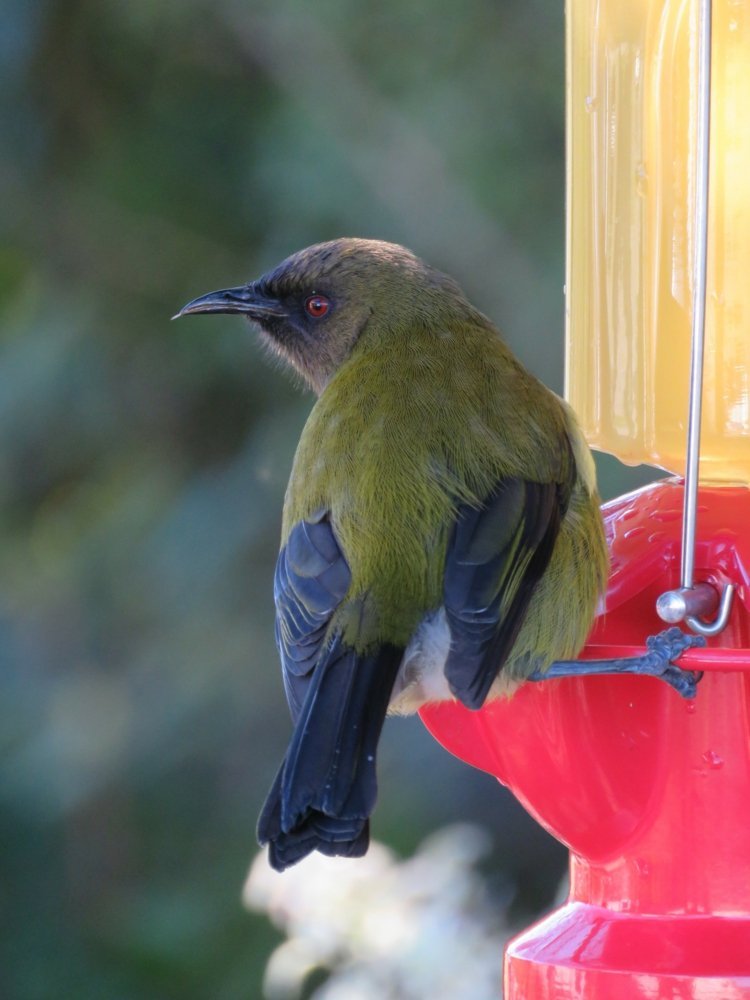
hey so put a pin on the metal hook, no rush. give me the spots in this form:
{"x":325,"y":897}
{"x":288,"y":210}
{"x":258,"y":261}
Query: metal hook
{"x":713,"y":628}
{"x":683,"y":604}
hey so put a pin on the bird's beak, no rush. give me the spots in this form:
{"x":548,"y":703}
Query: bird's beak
{"x":244,"y":299}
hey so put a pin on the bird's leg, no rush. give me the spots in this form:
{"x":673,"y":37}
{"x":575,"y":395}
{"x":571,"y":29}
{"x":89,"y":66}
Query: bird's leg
{"x":663,"y":649}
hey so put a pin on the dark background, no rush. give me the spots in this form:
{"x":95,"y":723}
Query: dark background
{"x":153,"y":151}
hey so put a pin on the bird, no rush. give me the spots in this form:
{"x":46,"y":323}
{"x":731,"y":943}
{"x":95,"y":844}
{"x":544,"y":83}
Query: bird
{"x":441,"y":534}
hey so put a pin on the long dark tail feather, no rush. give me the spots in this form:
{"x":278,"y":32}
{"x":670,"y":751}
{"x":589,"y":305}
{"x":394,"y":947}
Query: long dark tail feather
{"x":326,"y":787}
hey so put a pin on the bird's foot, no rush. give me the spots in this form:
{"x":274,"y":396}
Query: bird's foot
{"x":663,"y":650}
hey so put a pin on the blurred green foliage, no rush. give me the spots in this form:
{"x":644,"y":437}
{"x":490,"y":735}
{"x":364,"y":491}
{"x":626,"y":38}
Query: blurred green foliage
{"x":151,"y":152}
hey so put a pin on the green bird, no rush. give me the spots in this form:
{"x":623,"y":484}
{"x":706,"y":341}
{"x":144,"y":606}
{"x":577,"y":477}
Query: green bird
{"x":441,"y":533}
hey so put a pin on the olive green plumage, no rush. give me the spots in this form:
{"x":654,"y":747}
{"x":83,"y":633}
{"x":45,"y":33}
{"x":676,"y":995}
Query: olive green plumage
{"x":441,"y":533}
{"x":429,"y":409}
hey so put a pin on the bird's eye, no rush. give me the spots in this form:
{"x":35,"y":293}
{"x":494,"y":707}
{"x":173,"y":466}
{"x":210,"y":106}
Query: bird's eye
{"x":317,"y":306}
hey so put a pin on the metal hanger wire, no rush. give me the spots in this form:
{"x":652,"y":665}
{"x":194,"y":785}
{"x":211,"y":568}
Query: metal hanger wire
{"x":693,"y":600}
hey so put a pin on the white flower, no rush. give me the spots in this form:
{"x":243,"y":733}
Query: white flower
{"x":385,"y":929}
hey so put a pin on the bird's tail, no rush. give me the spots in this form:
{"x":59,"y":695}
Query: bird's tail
{"x":326,"y":787}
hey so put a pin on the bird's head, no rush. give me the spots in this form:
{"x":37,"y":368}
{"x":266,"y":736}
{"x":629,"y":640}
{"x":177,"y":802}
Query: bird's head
{"x":313,"y":308}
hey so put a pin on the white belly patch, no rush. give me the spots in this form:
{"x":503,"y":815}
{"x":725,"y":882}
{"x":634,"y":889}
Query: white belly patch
{"x":421,"y":677}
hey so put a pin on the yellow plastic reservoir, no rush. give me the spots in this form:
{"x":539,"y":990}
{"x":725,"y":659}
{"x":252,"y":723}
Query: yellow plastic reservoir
{"x":632,"y":125}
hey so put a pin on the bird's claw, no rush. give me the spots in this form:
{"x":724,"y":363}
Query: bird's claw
{"x":685,"y":682}
{"x":673,"y":642}
{"x":663,"y":650}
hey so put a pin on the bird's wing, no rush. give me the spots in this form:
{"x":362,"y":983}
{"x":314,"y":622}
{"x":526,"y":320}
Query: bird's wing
{"x":338,"y":696}
{"x":311,"y":580}
{"x":496,"y":555}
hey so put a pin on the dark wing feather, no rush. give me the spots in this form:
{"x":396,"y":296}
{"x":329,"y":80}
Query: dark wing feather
{"x":311,"y":580}
{"x":325,"y":789}
{"x":496,"y":556}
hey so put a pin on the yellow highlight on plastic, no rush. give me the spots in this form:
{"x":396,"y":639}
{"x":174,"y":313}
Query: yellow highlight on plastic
{"x":631,"y":106}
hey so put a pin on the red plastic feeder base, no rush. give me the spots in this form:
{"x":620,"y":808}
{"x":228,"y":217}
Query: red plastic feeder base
{"x":593,"y":953}
{"x":650,"y":792}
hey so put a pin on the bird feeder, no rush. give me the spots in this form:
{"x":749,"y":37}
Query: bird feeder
{"x":651,"y":793}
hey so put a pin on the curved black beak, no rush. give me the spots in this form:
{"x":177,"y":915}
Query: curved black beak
{"x":244,"y":299}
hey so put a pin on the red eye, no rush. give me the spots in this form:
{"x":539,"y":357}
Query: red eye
{"x":317,"y":306}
